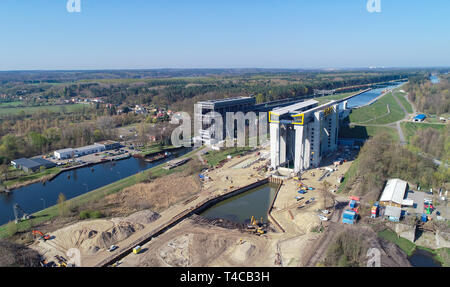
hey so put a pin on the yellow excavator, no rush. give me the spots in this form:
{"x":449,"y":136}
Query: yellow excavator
{"x":256,"y":226}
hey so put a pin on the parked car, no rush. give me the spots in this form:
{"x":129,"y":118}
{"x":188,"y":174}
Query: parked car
{"x":112,"y":248}
{"x":325,"y":211}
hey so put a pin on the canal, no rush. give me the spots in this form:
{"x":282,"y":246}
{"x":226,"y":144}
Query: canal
{"x":37,"y":196}
{"x":365,"y":98}
{"x":240,"y":208}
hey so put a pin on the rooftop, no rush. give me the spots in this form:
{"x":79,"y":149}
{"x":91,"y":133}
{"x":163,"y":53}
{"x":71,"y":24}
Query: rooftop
{"x":295,"y":107}
{"x":393,"y":211}
{"x":394,"y":191}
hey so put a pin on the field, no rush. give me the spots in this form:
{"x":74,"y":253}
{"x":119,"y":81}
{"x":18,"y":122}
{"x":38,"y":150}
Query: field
{"x":378,"y":113}
{"x":10,"y":104}
{"x":31,"y":110}
{"x":215,"y":157}
{"x":404,"y":101}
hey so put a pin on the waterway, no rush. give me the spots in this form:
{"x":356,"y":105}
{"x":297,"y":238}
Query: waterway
{"x":240,"y":208}
{"x":365,"y":98}
{"x":38,"y":196}
{"x":423,"y":258}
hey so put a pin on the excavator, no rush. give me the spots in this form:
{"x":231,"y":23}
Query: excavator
{"x":61,"y":261}
{"x":43,"y":236}
{"x":256,"y":226}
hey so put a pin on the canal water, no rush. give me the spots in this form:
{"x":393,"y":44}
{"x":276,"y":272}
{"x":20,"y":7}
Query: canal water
{"x":240,"y":208}
{"x":368,"y":96}
{"x":423,"y":258}
{"x":37,"y":196}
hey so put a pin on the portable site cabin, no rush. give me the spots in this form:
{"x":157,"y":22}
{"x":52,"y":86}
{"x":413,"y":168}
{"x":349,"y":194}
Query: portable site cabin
{"x":393,"y":213}
{"x":349,"y":217}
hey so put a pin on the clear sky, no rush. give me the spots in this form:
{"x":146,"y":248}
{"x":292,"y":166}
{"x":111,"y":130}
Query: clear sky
{"x":117,"y":34}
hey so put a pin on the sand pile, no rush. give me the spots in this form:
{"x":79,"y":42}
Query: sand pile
{"x":243,"y":251}
{"x":176,"y":252}
{"x":89,"y":236}
{"x":119,"y":232}
{"x":142,"y":217}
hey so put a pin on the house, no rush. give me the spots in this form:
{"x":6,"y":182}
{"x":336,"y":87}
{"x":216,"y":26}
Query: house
{"x":420,"y":118}
{"x":109,"y":145}
{"x":32,"y":164}
{"x":64,"y":153}
{"x":394,"y":194}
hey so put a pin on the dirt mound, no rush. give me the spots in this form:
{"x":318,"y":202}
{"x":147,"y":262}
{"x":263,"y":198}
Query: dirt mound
{"x":143,"y":217}
{"x":176,"y":252}
{"x":87,"y":236}
{"x":243,"y":252}
{"x":16,"y":255}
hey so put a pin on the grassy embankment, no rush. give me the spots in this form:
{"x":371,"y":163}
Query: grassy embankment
{"x":215,"y":157}
{"x":442,"y":254}
{"x":377,"y":113}
{"x":27,"y":178}
{"x":410,"y":128}
{"x":95,"y":195}
{"x":405,"y":103}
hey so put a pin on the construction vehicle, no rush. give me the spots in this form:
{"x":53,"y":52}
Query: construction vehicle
{"x":354,"y":203}
{"x":374,"y":210}
{"x":60,"y":261}
{"x":256,"y":227}
{"x":137,"y":249}
{"x":43,"y":236}
{"x":349,"y":216}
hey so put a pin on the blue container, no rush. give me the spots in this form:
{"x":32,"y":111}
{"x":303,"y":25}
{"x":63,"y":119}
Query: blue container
{"x":424,"y":218}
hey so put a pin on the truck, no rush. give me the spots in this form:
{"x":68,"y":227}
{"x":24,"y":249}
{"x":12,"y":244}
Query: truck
{"x":374,"y":210}
{"x":349,"y":217}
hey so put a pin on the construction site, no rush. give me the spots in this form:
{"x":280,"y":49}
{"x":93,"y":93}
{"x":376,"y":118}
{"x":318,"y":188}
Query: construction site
{"x":278,"y":230}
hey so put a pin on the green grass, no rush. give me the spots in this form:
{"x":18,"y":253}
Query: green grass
{"x":35,"y":109}
{"x":410,"y":128}
{"x":442,"y":254}
{"x":407,"y":246}
{"x":351,"y":172}
{"x":95,"y":195}
{"x":24,"y":177}
{"x":404,"y":101}
{"x":215,"y":157}
{"x":155,"y":148}
{"x":376,"y":113}
{"x":10,"y":104}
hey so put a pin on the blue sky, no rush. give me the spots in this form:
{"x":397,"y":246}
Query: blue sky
{"x":117,"y":34}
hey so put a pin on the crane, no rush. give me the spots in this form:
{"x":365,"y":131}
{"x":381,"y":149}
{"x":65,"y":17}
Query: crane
{"x":19,"y":211}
